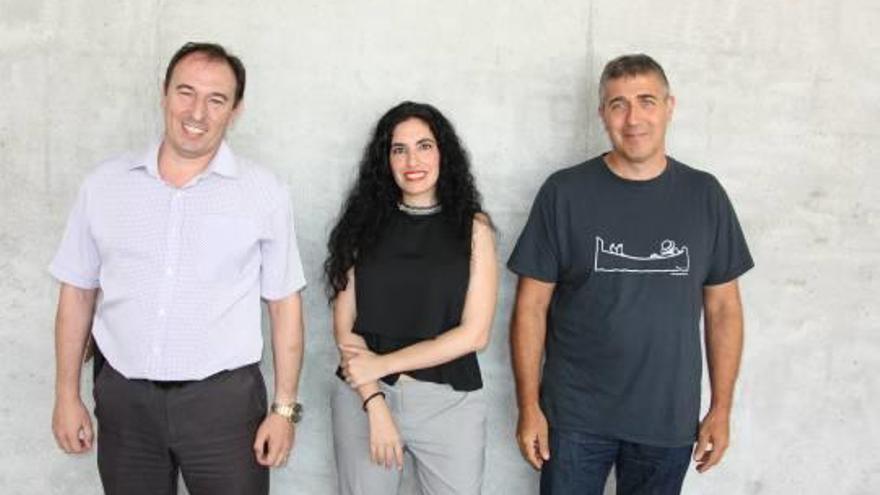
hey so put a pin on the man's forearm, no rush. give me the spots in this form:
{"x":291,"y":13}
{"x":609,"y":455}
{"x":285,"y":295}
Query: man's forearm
{"x":528,"y":330}
{"x":724,"y":340}
{"x":287,"y":345}
{"x":724,"y":344}
{"x":72,"y":325}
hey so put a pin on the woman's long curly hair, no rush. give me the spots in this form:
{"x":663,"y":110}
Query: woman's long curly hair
{"x":374,"y":195}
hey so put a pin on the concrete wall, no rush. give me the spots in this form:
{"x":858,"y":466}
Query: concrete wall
{"x":779,"y":99}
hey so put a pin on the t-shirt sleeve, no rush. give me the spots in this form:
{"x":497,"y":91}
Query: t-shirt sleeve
{"x":77,"y":261}
{"x":281,"y":272}
{"x":536,"y":254}
{"x":730,"y":253}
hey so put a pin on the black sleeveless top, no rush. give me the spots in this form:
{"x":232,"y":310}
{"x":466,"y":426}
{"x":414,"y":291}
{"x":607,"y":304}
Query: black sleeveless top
{"x":411,"y":287}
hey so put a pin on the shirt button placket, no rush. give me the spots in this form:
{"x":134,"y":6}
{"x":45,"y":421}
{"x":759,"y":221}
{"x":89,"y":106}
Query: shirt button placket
{"x":167,"y":283}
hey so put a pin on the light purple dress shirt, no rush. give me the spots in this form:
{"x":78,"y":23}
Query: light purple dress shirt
{"x":181,"y":271}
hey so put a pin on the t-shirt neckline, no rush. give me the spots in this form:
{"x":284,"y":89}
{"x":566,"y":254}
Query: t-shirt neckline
{"x":664,"y":175}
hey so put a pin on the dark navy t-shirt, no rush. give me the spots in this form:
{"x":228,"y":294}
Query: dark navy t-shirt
{"x":629,"y":260}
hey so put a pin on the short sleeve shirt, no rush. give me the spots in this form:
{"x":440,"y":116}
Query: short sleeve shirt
{"x":630,"y":260}
{"x":181,"y":271}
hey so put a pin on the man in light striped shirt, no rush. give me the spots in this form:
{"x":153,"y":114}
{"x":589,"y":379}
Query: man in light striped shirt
{"x":165,"y":259}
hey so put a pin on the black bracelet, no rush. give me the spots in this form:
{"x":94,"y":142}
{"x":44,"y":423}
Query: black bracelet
{"x":371,"y":397}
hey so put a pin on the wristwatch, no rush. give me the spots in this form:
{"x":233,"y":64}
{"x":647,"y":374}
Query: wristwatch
{"x":291,"y":412}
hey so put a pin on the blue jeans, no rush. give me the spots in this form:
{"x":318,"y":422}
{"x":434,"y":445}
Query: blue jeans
{"x":580,"y":462}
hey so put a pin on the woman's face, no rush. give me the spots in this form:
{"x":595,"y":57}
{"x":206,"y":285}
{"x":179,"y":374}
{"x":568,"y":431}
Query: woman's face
{"x":415,"y":162}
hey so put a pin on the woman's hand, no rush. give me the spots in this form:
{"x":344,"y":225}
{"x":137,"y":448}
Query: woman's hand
{"x":360,"y":365}
{"x":385,"y":445}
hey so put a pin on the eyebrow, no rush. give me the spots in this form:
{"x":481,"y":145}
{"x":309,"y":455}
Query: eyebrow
{"x":211,"y":95}
{"x":420,"y":141}
{"x":643,"y":96}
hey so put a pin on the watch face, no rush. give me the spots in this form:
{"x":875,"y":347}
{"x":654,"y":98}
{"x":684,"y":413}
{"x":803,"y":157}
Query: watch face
{"x":291,"y":412}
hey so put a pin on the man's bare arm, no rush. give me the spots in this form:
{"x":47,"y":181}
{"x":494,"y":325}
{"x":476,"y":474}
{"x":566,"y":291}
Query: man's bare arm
{"x":287,"y":345}
{"x":275,"y":436}
{"x":528,"y":331}
{"x":71,"y":423}
{"x":723,"y":321}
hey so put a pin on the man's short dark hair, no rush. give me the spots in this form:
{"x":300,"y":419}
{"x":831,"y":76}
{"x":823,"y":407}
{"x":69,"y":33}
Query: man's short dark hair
{"x":214,"y":52}
{"x":632,"y":65}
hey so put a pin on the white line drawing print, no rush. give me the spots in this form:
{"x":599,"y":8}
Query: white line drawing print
{"x":671,"y":259}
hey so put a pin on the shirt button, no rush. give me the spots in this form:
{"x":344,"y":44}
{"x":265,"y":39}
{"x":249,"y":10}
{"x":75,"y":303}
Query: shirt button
{"x":169,"y":271}
{"x":161,"y":312}
{"x":156,"y":350}
{"x":178,"y":194}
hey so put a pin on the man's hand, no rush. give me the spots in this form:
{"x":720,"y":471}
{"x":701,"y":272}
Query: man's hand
{"x":386,"y":448}
{"x":72,"y":426}
{"x":713,"y":439}
{"x":360,"y":365}
{"x":274,"y":441}
{"x":532,"y":435}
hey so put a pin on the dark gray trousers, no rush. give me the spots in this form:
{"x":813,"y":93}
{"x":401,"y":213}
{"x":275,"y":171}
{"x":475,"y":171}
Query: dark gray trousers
{"x":148,"y":432}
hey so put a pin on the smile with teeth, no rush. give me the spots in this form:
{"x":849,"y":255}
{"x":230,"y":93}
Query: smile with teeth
{"x":415,"y":174}
{"x":193,"y":128}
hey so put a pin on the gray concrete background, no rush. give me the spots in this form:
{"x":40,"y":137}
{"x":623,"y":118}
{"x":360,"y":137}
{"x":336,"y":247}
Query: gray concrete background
{"x":779,"y":99}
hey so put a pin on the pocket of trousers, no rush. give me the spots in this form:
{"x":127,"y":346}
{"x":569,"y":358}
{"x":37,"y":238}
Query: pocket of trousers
{"x":259,"y":392}
{"x":98,"y":387}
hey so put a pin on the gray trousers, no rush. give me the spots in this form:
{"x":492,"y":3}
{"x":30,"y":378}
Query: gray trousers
{"x":148,"y":432}
{"x":443,"y":432}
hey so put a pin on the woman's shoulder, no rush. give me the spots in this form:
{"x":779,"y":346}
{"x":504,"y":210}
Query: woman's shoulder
{"x":483,"y":226}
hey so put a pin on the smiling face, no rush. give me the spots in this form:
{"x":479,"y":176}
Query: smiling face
{"x":635,"y":111}
{"x":198,"y":107}
{"x":415,"y":162}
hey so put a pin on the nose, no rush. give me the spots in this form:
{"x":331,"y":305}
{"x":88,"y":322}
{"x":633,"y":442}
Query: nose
{"x":633,"y":115}
{"x":199,"y":108}
{"x":410,"y":159}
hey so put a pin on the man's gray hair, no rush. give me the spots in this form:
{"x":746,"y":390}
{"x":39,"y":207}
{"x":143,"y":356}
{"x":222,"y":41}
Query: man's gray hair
{"x":630,"y":66}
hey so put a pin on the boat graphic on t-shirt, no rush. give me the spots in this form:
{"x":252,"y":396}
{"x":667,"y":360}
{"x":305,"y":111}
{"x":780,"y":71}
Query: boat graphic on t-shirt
{"x":669,"y":259}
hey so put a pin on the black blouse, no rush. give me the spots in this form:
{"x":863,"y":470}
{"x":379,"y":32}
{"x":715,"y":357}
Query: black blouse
{"x":411,"y":287}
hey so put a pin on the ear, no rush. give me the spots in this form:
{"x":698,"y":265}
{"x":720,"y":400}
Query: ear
{"x":236,"y":112}
{"x":600,"y":112}
{"x":163,"y":95}
{"x":670,"y":107}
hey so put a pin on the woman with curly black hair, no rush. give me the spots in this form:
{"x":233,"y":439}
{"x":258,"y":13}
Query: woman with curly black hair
{"x":413,"y":278}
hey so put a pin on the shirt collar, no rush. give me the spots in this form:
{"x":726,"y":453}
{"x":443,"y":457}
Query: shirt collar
{"x":223,"y":162}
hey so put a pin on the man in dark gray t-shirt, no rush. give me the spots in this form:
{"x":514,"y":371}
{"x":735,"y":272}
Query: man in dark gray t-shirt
{"x":620,"y":257}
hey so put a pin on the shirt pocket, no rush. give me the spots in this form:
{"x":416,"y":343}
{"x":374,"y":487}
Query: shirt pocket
{"x":225,"y":245}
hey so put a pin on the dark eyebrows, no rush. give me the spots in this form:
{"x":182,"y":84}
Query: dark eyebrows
{"x":215,"y":94}
{"x":420,"y":141}
{"x":641,"y":97}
